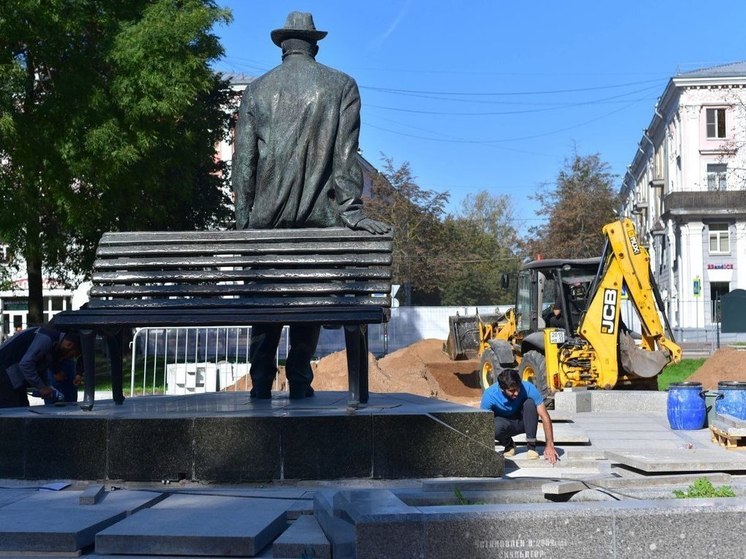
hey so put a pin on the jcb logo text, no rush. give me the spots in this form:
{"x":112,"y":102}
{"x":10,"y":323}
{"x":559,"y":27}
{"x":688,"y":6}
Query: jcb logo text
{"x":608,"y":312}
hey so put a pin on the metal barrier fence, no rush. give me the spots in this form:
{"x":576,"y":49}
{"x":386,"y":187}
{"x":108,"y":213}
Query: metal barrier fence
{"x":199,"y":359}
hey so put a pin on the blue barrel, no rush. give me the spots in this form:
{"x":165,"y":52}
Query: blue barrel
{"x":686,"y":405}
{"x":731,"y":399}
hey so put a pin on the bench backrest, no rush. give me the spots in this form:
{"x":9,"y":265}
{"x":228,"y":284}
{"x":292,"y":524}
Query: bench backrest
{"x":249,"y":268}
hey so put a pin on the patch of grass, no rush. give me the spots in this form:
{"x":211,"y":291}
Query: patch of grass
{"x":703,"y":488}
{"x":679,"y":372}
{"x":461,"y":500}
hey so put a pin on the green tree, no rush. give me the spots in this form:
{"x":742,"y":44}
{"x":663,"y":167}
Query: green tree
{"x":416,"y":215}
{"x":482,"y":246}
{"x":582,"y":201}
{"x":109,"y":114}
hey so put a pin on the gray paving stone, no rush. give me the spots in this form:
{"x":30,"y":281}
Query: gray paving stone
{"x":564,"y":433}
{"x":197,"y":525}
{"x":55,"y":522}
{"x":304,"y":538}
{"x":562,"y":487}
{"x":680,"y":460}
{"x":729,"y":427}
{"x":731,"y":420}
{"x":92,"y":495}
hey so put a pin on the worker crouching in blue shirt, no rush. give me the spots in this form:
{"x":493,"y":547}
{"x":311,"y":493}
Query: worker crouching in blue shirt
{"x":517,"y":406}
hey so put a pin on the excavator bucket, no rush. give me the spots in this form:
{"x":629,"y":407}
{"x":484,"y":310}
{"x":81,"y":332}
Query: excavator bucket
{"x":463,"y":335}
{"x":638,"y":361}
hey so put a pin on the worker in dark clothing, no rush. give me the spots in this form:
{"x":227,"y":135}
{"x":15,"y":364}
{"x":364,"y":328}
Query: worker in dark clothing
{"x":26,"y":358}
{"x":555,"y":319}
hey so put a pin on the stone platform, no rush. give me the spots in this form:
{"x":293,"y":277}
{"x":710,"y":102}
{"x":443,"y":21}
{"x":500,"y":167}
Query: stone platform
{"x":227,"y":437}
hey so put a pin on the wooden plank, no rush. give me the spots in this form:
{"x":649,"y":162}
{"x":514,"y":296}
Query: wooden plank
{"x":724,"y":439}
{"x":248,"y":289}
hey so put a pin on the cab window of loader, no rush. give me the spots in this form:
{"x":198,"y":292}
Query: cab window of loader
{"x":524,"y":303}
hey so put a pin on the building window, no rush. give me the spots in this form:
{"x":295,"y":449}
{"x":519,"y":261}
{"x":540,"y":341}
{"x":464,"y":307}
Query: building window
{"x":715,"y":123}
{"x":716,"y":176}
{"x":719,"y":238}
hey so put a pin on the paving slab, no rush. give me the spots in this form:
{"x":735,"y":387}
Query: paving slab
{"x":55,"y":522}
{"x":304,"y":538}
{"x":198,"y":525}
{"x":730,"y":428}
{"x":680,"y":460}
{"x":564,"y":433}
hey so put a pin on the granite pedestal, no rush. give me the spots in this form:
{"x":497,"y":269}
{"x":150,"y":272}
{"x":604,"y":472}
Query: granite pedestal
{"x":228,"y":437}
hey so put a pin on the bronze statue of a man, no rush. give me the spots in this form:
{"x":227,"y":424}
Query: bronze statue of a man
{"x":295,"y":166}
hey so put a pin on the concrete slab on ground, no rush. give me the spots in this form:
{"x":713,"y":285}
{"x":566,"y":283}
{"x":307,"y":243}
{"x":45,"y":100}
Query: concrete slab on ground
{"x":304,"y":538}
{"x":564,"y":433}
{"x":680,"y":460}
{"x":55,"y":522}
{"x":198,"y":525}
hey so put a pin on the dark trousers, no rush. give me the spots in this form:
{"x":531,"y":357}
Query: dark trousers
{"x":263,"y":353}
{"x":525,"y":421}
{"x":11,"y":397}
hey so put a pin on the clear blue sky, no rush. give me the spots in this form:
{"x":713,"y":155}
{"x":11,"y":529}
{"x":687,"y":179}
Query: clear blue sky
{"x":492,"y":95}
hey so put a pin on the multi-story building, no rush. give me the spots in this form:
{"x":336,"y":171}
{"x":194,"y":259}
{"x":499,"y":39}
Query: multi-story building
{"x":686,"y":191}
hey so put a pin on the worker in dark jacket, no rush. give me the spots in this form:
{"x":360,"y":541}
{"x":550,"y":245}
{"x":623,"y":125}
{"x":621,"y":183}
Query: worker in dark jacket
{"x":26,"y":358}
{"x":295,"y":165}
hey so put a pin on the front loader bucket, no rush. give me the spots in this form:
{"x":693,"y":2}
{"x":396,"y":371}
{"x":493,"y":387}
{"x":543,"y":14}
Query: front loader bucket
{"x":463,"y":337}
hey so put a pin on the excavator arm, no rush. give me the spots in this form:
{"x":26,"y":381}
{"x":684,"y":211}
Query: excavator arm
{"x":625,"y":263}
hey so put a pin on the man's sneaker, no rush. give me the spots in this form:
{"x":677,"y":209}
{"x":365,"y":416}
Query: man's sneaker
{"x":531,"y":454}
{"x":509,"y":450}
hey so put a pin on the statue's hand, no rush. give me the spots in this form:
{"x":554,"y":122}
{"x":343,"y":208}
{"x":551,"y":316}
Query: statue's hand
{"x":372,"y":226}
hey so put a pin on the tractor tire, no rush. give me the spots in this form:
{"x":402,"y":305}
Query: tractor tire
{"x":533,"y":368}
{"x":489,"y":368}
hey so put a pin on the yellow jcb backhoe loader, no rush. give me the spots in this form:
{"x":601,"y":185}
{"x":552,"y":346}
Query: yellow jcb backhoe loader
{"x":592,"y":347}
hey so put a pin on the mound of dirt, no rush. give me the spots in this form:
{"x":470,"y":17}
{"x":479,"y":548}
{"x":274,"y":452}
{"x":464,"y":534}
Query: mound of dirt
{"x":723,"y":365}
{"x":422,"y":368}
{"x":426,"y":370}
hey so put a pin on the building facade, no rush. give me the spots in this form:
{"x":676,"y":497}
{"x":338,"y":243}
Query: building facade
{"x":686,"y":191}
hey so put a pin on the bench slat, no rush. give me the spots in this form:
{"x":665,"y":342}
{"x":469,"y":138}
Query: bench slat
{"x":195,"y":276}
{"x":237,"y":248}
{"x":248,"y":290}
{"x":275,"y":260}
{"x":311,"y":300}
{"x":310,"y":234}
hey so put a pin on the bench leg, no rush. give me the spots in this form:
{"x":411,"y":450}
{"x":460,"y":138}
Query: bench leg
{"x":356,"y":344}
{"x":87,"y":350}
{"x":114,"y":342}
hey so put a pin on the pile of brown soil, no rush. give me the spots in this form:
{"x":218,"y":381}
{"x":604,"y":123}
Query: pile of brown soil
{"x":723,"y":365}
{"x":422,"y":368}
{"x":426,"y":370}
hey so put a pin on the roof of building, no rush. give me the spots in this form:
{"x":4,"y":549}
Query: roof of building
{"x":721,"y":71}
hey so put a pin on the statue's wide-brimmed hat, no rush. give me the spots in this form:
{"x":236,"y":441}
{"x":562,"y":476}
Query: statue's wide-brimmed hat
{"x":299,"y":25}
